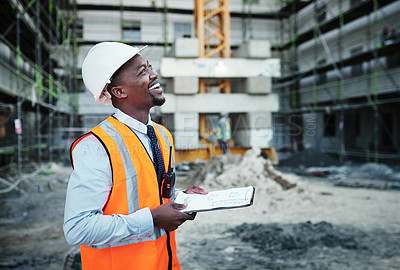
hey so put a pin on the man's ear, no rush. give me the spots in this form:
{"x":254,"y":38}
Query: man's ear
{"x":118,"y":92}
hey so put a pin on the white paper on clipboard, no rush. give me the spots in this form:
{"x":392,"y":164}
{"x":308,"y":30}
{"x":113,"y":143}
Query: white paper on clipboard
{"x":216,"y":200}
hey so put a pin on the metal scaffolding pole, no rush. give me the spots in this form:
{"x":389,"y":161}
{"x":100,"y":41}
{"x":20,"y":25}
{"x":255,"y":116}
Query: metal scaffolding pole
{"x":165,"y":27}
{"x":342,"y":152}
{"x":297,"y":138}
{"x":51,"y":93}
{"x":376,"y":111}
{"x":38,"y":82}
{"x":19,"y":102}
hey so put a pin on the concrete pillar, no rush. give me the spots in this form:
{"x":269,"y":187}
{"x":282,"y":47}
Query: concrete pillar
{"x":253,"y":129}
{"x":252,"y":85}
{"x":185,"y":48}
{"x":183,"y":85}
{"x":258,"y":85}
{"x":186,"y":132}
{"x":253,"y":49}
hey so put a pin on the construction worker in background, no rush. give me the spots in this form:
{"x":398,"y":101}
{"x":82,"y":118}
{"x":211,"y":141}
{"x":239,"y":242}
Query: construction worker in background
{"x":387,"y":37}
{"x":223,"y":132}
{"x":119,"y":203}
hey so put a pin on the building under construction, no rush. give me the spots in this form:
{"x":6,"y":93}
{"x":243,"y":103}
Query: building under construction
{"x":38,"y":81}
{"x":339,"y":90}
{"x":291,"y":74}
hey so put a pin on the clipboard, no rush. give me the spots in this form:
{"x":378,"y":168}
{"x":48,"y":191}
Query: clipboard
{"x":217,"y":200}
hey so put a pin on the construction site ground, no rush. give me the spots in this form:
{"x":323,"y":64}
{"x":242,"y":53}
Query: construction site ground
{"x":312,"y":223}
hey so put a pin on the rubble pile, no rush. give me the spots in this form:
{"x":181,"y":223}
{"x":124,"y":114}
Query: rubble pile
{"x":197,"y":172}
{"x":229,"y":171}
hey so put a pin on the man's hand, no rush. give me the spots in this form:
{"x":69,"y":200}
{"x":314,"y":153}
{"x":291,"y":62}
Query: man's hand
{"x":168,"y":217}
{"x":195,"y":190}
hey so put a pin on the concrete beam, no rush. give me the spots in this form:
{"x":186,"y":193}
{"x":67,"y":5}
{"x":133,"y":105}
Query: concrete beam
{"x":186,"y":132}
{"x":252,"y":85}
{"x":215,"y":103}
{"x":253,"y":129}
{"x":220,"y":67}
{"x":183,"y":85}
{"x":260,"y":138}
{"x":259,"y":120}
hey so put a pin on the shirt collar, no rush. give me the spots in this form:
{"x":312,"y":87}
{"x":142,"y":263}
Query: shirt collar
{"x":132,"y":122}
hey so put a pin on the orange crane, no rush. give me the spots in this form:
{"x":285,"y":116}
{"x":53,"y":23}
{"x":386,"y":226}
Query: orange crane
{"x":212,"y":25}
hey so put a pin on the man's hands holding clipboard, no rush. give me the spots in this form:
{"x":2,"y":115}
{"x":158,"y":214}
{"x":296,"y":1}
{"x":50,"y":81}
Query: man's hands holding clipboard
{"x":169,"y":216}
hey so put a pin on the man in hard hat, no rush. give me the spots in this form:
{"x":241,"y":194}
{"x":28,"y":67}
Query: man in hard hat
{"x":119,"y":203}
{"x":223,"y":132}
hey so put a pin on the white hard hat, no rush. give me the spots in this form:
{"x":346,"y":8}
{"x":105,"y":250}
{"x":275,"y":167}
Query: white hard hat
{"x":101,"y":62}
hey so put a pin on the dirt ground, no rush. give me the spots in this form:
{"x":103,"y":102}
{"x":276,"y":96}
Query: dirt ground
{"x":331,"y":228}
{"x":315,"y":225}
{"x":31,"y":235}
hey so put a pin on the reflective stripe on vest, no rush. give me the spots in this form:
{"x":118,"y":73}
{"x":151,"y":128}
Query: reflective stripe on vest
{"x":224,"y":129}
{"x":134,"y":187}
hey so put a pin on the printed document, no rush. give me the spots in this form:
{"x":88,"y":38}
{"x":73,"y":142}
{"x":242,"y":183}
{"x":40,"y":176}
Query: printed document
{"x":215,"y":200}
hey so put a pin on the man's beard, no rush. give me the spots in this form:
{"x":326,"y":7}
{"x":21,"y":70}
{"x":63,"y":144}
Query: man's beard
{"x":158,"y":101}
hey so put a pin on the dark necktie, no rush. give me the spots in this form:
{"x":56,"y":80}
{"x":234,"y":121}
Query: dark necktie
{"x":157,"y":156}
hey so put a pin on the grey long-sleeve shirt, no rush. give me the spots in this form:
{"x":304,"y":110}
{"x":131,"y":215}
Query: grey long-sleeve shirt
{"x":88,"y":189}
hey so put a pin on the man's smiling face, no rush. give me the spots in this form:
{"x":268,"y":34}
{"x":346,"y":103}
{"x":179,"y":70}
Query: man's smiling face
{"x":140,"y":83}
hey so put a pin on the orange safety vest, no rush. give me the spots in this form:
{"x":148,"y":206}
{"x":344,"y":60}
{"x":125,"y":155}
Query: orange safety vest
{"x":135,"y":187}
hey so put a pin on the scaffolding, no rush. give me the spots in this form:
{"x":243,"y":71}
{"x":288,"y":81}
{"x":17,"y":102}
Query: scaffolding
{"x":37,"y":60}
{"x":337,"y":84}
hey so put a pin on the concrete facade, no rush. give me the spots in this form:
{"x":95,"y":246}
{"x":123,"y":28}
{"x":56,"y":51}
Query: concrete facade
{"x":251,"y":97}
